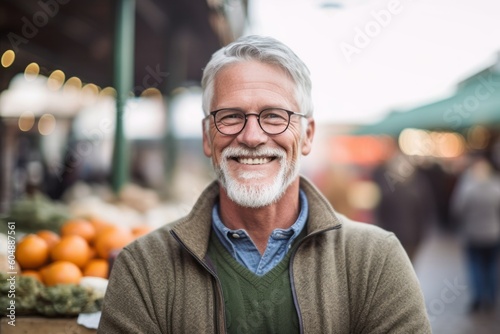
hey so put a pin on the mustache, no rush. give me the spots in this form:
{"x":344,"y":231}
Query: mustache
{"x":235,"y":152}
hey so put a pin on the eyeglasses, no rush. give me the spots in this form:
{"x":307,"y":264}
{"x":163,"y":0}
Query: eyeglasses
{"x":272,"y":121}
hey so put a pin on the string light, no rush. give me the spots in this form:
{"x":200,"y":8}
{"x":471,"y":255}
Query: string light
{"x":8,"y":58}
{"x":46,"y":124}
{"x":31,"y":72}
{"x":56,"y":80}
{"x":26,"y":121}
{"x":108,"y":91}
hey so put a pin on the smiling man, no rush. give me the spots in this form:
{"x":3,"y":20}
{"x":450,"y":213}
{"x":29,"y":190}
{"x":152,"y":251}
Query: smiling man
{"x":262,"y":251}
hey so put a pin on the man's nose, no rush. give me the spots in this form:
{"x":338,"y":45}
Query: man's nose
{"x":252,"y":135}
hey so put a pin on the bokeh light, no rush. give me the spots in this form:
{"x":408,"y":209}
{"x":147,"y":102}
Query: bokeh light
{"x":431,"y":143}
{"x":8,"y":58}
{"x":448,"y":144}
{"x":89,"y":94}
{"x":56,"y":80}
{"x":31,"y":71}
{"x":108,"y":91}
{"x":152,"y":93}
{"x":72,"y":84}
{"x":478,"y":137}
{"x":26,"y":121}
{"x":415,"y":142}
{"x":46,"y":124}
{"x":90,"y":89}
{"x":363,"y":195}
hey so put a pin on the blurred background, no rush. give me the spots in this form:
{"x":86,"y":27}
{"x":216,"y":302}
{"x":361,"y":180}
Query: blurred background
{"x":100,"y":116}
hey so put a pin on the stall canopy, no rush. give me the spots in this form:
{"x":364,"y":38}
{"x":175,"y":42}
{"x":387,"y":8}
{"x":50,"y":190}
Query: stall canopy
{"x":476,"y":101}
{"x":173,"y":39}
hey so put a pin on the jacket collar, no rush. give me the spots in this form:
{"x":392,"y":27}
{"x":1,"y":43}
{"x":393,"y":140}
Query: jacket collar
{"x":193,"y":231}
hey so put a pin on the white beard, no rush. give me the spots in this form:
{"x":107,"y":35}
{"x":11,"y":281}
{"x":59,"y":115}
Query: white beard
{"x":256,"y":194}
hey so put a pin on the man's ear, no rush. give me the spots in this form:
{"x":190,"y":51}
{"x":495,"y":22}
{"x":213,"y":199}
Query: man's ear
{"x":207,"y":148}
{"x":308,"y":138}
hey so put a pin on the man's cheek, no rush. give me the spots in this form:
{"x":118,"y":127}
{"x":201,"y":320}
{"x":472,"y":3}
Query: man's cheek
{"x":216,"y":157}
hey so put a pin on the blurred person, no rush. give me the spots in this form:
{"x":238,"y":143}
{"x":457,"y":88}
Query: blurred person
{"x":441,"y":184}
{"x":262,"y":251}
{"x":406,"y":205}
{"x":476,"y":206}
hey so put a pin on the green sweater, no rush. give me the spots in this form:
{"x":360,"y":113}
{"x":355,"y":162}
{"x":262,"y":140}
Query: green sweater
{"x":254,"y":304}
{"x":346,"y":278}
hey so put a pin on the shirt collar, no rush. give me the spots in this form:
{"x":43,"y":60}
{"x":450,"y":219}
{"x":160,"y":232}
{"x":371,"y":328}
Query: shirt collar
{"x":290,"y":233}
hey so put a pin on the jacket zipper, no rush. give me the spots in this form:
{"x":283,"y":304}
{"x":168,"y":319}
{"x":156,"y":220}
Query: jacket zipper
{"x":216,"y":284}
{"x":290,"y":270}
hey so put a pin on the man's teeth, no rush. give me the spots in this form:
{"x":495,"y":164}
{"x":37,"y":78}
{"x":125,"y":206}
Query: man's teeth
{"x":254,"y":161}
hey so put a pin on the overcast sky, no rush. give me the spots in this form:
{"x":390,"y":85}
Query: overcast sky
{"x":369,"y":57}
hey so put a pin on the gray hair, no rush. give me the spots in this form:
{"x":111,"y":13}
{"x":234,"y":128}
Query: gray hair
{"x":265,"y":50}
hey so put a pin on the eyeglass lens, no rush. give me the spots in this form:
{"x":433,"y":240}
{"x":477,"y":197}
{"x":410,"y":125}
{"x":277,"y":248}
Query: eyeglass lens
{"x":232,"y":121}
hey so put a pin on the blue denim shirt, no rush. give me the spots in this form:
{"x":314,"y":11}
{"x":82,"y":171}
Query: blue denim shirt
{"x":241,"y":247}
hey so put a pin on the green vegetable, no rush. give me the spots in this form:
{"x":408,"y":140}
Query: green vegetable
{"x":33,"y":298}
{"x":36,"y":212}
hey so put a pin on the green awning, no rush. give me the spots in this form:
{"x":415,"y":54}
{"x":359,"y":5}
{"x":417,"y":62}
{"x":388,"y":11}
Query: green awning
{"x":477,"y":101}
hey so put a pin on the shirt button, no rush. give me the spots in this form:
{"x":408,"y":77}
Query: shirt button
{"x":235,"y":235}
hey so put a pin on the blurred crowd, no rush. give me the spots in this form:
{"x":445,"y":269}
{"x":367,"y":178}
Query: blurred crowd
{"x":417,"y":196}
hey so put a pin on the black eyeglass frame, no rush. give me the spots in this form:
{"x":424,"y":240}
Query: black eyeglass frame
{"x":290,"y":114}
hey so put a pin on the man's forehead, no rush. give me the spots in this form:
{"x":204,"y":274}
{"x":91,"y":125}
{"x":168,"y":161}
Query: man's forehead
{"x":255,"y":82}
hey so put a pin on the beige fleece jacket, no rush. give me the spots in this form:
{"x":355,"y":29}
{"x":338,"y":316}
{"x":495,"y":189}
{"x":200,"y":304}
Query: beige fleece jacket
{"x":347,"y":277}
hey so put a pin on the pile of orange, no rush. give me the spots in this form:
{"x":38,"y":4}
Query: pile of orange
{"x":82,"y":248}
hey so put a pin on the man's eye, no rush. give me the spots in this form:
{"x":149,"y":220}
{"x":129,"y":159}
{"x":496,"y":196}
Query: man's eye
{"x":234,"y":116}
{"x":231,"y":117}
{"x":274,"y":116}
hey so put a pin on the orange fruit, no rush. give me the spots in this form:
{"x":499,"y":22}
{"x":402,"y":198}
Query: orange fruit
{"x":141,"y":230}
{"x":61,"y":272}
{"x":32,"y":252}
{"x":80,"y":227}
{"x":43,"y":270}
{"x":92,"y":253}
{"x":97,"y":268}
{"x":51,"y":238}
{"x":112,"y":238}
{"x":32,"y":273}
{"x":99,"y":224}
{"x":72,"y":248}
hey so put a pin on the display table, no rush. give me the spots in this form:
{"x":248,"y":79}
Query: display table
{"x":41,"y":325}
